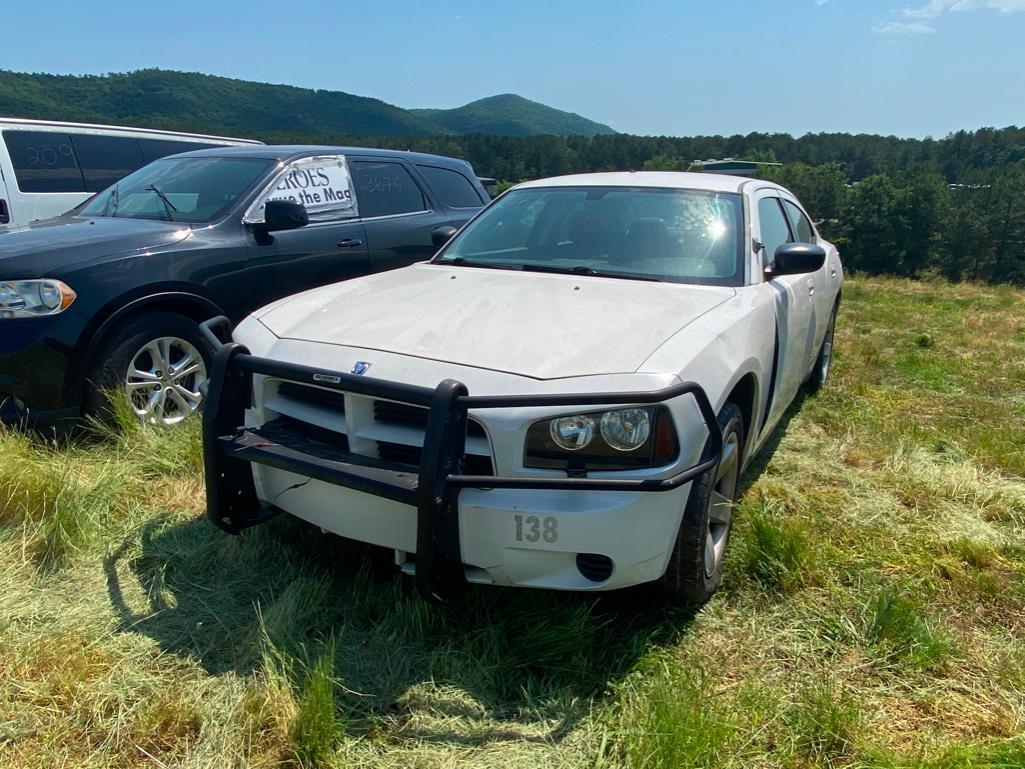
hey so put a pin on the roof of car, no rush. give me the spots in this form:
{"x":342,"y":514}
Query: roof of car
{"x":289,"y":151}
{"x":668,"y":179}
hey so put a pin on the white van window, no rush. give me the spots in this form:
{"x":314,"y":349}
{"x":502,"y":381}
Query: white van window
{"x":44,"y":161}
{"x":322,"y":184}
{"x":105,"y":159}
{"x":154,"y":149}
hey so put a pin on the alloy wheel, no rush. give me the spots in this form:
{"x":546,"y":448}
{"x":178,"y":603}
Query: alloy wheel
{"x":163,"y":380}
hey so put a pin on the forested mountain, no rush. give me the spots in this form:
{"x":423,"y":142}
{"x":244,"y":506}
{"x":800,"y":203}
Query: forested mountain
{"x":188,"y":100}
{"x":953,"y":206}
{"x":510,"y":115}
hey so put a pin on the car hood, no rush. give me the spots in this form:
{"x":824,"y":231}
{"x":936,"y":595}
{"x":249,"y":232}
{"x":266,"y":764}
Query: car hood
{"x":41,"y":248}
{"x":545,"y":326}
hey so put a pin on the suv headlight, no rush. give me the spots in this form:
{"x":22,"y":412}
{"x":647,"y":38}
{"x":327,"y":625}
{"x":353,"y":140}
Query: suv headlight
{"x":34,"y":298}
{"x":617,"y":439}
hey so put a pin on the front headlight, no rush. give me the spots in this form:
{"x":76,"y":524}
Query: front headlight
{"x":618,"y":439}
{"x":34,"y":298}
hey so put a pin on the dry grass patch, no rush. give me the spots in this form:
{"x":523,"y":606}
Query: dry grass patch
{"x":872,"y":613}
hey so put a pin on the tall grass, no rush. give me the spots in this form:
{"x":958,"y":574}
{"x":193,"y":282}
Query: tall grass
{"x":871,"y":613}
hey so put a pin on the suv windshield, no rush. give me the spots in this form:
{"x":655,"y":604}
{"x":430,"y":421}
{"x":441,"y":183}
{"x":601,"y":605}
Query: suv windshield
{"x":673,"y":235}
{"x":179,"y":189}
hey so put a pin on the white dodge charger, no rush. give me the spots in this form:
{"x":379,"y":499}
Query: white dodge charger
{"x":564,"y":397}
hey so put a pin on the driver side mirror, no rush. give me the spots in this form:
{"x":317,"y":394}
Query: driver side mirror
{"x":796,"y":259}
{"x":283,"y":215}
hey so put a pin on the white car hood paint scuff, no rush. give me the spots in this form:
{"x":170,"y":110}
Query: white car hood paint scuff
{"x":545,"y":326}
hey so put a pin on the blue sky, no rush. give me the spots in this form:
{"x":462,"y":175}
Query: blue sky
{"x":925,"y":67}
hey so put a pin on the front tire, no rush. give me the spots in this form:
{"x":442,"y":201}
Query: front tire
{"x":158,"y":361}
{"x":695,"y":566}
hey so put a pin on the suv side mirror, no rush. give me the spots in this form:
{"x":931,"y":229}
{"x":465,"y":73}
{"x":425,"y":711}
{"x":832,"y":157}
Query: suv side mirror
{"x":796,"y":259}
{"x":283,"y":215}
{"x":442,"y":235}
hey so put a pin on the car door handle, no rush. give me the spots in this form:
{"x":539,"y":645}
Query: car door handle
{"x":350,"y":243}
{"x":811,"y":287}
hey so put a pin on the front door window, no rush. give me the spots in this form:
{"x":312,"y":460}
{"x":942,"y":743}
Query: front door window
{"x":322,"y":184}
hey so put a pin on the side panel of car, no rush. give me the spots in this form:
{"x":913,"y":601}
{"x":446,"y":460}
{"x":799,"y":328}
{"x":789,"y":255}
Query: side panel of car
{"x":743,"y":333}
{"x":794,"y":302}
{"x":826,"y":281}
{"x":283,"y":263}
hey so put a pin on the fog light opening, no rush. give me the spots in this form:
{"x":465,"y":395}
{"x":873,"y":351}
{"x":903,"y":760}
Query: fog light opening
{"x":595,"y":567}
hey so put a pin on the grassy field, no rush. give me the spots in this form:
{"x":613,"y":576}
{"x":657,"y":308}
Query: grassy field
{"x":872,"y":614}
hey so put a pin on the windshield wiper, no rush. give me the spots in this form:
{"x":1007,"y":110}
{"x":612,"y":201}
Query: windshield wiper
{"x":168,"y":205}
{"x":460,"y":261}
{"x":583,"y":269}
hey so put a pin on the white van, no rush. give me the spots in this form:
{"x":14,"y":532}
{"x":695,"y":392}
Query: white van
{"x":47,"y":168}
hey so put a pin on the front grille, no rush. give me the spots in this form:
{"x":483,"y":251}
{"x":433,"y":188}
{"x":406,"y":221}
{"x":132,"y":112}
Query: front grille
{"x":399,"y":452}
{"x":313,"y":396}
{"x":396,"y":430}
{"x":473,"y":464}
{"x":297,"y":430}
{"x":392,"y":413}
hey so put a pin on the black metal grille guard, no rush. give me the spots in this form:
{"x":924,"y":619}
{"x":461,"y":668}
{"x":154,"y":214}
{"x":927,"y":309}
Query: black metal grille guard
{"x":229,"y":450}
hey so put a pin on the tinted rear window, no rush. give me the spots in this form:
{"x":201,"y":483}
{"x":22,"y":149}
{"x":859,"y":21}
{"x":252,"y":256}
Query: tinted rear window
{"x":385,"y":189}
{"x":44,"y":161}
{"x":455,"y":189}
{"x":105,"y":159}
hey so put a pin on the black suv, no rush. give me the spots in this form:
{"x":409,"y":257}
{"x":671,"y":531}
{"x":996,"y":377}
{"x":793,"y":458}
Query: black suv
{"x":109,"y":297}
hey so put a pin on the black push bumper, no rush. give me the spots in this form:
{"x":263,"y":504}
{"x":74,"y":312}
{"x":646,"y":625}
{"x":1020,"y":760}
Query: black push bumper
{"x":229,"y":449}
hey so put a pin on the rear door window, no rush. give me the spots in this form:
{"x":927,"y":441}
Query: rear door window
{"x":456,"y":190}
{"x":385,"y":189}
{"x":44,"y":161}
{"x":106,"y":159}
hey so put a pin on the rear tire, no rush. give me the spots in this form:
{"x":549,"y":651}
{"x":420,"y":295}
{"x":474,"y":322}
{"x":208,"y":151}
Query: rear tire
{"x":695,"y":566}
{"x":158,"y":361}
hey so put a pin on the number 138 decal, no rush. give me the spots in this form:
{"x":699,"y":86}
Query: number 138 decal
{"x":531,"y":528}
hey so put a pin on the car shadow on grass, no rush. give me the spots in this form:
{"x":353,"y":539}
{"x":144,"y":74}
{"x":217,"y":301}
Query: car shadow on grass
{"x":285,"y":592}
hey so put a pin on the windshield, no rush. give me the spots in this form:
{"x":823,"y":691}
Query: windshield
{"x":179,"y":189}
{"x":673,"y":235}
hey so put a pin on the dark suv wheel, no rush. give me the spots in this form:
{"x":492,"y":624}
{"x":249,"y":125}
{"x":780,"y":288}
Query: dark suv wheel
{"x":158,"y":361}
